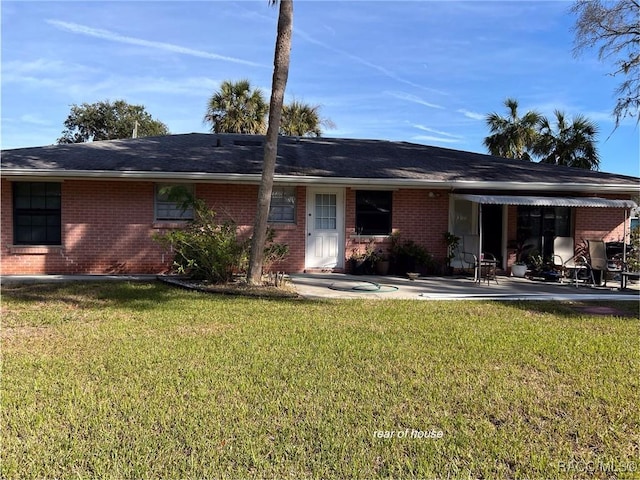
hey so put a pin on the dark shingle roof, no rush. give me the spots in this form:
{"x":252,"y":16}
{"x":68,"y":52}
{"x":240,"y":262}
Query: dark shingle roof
{"x":297,"y":157}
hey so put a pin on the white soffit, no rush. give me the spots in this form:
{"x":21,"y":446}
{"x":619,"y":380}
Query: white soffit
{"x":594,"y":202}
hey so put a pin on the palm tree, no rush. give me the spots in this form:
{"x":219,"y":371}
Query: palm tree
{"x":237,"y":108}
{"x":570,"y":144}
{"x":278,"y":85}
{"x":303,"y":120}
{"x":513,"y":136}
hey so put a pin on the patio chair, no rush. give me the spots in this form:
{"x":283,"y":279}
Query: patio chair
{"x":470,"y":257}
{"x":598,"y":259}
{"x":469,"y":252}
{"x":460,"y":259}
{"x":566,"y":260}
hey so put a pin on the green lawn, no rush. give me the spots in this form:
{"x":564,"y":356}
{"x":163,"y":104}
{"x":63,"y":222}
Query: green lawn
{"x":116,"y":380}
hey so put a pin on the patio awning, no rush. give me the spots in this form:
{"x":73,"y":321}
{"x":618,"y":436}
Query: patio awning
{"x":595,"y":202}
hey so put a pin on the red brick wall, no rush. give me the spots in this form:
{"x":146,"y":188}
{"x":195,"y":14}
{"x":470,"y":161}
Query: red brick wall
{"x":238,"y":203}
{"x":423,"y":219}
{"x":108,"y":228}
{"x":599,"y":224}
{"x":416,"y":216}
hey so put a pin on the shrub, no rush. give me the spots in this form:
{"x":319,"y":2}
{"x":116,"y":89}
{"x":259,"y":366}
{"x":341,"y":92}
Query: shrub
{"x":206,"y":249}
{"x":273,"y":252}
{"x":210,"y":250}
{"x":409,"y":256}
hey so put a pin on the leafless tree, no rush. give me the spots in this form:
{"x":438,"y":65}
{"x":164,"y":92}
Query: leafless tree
{"x":614,"y":28}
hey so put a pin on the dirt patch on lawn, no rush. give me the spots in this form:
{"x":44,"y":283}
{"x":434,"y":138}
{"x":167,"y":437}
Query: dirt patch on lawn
{"x":633,"y":310}
{"x":12,"y":334}
{"x":237,"y":288}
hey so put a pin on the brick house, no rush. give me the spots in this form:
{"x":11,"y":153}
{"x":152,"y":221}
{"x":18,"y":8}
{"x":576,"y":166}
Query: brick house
{"x":94,"y":207}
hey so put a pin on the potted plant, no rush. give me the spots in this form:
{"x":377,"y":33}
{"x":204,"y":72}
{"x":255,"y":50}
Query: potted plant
{"x":537,"y":265}
{"x":382,"y":263}
{"x":410,"y":257}
{"x":363,"y":263}
{"x":541,"y":268}
{"x":394,"y":250}
{"x":518,"y":269}
{"x":356,"y":262}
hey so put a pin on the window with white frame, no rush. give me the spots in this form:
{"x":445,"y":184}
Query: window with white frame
{"x":283,"y":205}
{"x":463,"y":215}
{"x":170,"y":202}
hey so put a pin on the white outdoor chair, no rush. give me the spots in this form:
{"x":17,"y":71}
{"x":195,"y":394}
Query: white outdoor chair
{"x":566,"y":260}
{"x":598,"y":258}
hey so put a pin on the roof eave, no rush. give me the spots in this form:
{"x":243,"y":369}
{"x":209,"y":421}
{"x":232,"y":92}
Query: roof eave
{"x":458,"y":185}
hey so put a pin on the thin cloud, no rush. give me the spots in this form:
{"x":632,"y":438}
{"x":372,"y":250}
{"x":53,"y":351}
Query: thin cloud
{"x":472,"y":115}
{"x":39,"y":65}
{"x":20,"y":68}
{"x":168,"y":47}
{"x":412,"y":98}
{"x":34,"y":119}
{"x":358,"y":59}
{"x":111,"y":86}
{"x":431,"y":138}
{"x":191,"y":86}
{"x":384,"y":71}
{"x":437,"y":132}
{"x":548,"y":109}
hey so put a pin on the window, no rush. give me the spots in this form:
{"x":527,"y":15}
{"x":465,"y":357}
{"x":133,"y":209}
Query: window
{"x":36,"y":213}
{"x":538,"y":225}
{"x":462,"y":217}
{"x":326,"y":211}
{"x":283,"y":205}
{"x":169,"y":200}
{"x":373,"y":212}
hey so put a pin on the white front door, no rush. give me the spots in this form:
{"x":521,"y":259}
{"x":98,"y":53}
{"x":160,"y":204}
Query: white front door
{"x":325,"y":228}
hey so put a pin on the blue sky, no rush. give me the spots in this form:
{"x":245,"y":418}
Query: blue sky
{"x":419,"y":71}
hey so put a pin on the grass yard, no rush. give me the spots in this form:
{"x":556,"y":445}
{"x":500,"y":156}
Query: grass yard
{"x":116,"y":380}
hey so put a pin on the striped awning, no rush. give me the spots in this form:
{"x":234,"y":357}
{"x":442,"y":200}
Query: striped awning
{"x":594,"y":202}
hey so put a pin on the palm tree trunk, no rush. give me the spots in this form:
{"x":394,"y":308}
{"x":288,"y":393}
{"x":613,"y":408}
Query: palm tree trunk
{"x":278,"y":85}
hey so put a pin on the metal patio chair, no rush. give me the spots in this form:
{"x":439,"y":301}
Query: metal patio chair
{"x":487,"y":261}
{"x":598,"y":259}
{"x":566,"y":260}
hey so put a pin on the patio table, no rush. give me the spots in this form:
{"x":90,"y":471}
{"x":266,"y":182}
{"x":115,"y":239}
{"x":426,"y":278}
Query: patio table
{"x":487,"y":270}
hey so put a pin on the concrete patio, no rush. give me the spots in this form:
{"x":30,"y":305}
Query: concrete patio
{"x":336,"y":285}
